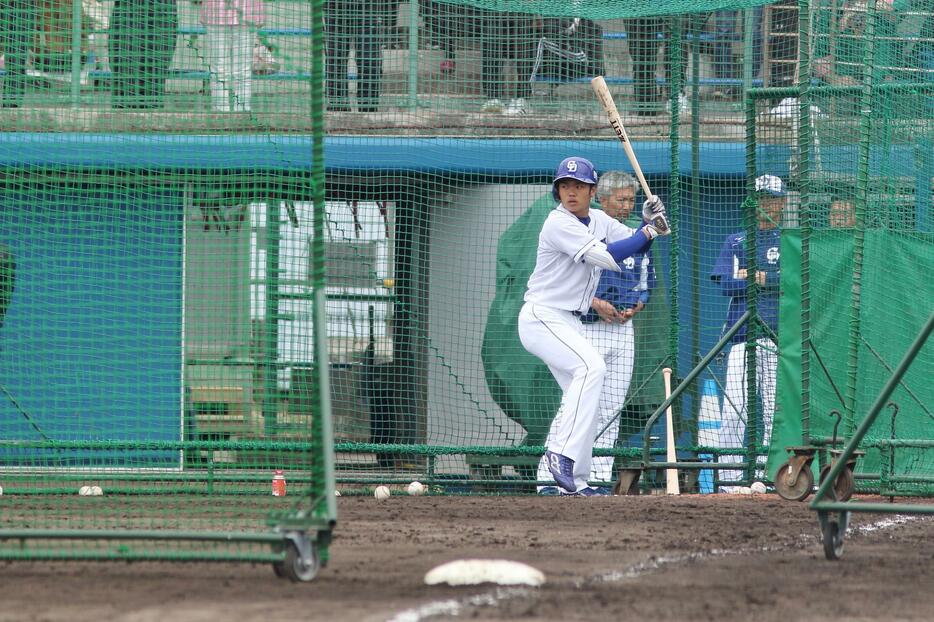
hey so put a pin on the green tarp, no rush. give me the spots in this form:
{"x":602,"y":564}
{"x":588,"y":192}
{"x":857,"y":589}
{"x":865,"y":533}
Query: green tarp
{"x":897,"y":296}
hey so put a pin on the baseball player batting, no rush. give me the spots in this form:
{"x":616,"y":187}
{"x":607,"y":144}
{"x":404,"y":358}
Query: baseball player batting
{"x":574,"y":246}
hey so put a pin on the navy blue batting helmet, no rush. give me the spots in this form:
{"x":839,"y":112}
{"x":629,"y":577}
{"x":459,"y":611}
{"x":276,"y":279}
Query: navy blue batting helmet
{"x":580,"y":169}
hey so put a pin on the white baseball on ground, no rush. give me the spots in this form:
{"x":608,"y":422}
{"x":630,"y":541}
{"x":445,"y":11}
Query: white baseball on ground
{"x":84,"y":491}
{"x":758,"y":488}
{"x":415,"y":489}
{"x":337,"y":493}
{"x":381,"y":492}
{"x":96,"y":491}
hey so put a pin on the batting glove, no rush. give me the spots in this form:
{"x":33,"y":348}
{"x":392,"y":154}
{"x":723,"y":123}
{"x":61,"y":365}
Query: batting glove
{"x":651,"y":208}
{"x":658,"y":226}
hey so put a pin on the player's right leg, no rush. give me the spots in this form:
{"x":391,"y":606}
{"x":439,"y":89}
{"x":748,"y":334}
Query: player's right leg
{"x":555,"y":337}
{"x":733,"y":419}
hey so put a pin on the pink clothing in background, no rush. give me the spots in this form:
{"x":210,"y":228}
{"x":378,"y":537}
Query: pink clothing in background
{"x":232,"y":12}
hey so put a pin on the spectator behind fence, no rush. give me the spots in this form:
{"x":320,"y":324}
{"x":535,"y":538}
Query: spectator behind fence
{"x":569,"y":49}
{"x":842,"y":213}
{"x":644,"y":36}
{"x":507,"y":36}
{"x":17,"y":26}
{"x":729,"y":29}
{"x":96,"y":15}
{"x":230,"y":26}
{"x":142,"y":43}
{"x":438,"y":18}
{"x":364,"y":24}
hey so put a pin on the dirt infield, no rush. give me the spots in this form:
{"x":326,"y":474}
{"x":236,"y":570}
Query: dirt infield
{"x":622,"y":558}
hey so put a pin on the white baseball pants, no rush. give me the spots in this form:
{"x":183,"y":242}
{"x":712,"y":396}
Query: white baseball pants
{"x":557,"y":338}
{"x":230,"y":54}
{"x":734,"y":416}
{"x":616,"y":344}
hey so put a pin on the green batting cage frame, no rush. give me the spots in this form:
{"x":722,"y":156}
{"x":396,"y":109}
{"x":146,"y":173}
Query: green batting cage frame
{"x":147,"y":284}
{"x":859,"y":137}
{"x":305,"y":249}
{"x":833,"y":511}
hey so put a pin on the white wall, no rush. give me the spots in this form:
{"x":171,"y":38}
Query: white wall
{"x":463,"y":273}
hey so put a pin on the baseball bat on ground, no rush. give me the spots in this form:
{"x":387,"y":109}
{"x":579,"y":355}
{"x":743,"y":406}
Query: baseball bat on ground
{"x":671,"y":475}
{"x":606,"y":99}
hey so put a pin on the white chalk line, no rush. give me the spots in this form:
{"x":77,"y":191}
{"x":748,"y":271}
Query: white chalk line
{"x":454,"y":607}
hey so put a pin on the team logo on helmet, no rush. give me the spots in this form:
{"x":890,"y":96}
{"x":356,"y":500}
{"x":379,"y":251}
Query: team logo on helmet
{"x":580,"y":169}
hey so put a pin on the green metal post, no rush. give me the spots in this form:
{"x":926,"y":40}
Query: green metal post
{"x":675,"y":58}
{"x":271,"y":324}
{"x":75,"y":53}
{"x":862,"y":188}
{"x":804,"y":208}
{"x":322,"y":434}
{"x":750,"y":219}
{"x":413,"y":53}
{"x":689,"y":379}
{"x":696,"y":25}
{"x":749,"y":41}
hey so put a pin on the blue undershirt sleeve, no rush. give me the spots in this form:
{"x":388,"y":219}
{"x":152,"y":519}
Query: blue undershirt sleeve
{"x":621,"y":249}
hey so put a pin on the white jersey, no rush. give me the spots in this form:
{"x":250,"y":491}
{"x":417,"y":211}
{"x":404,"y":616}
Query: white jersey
{"x":561,"y":278}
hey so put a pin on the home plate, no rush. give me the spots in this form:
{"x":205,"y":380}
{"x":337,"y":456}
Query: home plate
{"x":476,"y":571}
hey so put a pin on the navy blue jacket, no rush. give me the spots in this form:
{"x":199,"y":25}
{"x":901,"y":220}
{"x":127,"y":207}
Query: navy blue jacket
{"x":732,"y":259}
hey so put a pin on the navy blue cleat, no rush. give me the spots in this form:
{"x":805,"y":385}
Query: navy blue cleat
{"x":562,"y":468}
{"x":549,"y":491}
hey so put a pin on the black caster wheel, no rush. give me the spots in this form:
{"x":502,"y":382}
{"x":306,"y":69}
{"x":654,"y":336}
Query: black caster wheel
{"x":797,"y":490}
{"x":844,"y":485}
{"x":832,"y":535}
{"x":296,"y":569}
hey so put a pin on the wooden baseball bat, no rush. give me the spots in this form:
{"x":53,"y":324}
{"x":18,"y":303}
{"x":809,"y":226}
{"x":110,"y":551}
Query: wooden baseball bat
{"x":671,"y":475}
{"x":606,"y":99}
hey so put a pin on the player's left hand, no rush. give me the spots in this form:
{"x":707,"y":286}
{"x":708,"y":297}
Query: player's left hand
{"x":652,"y":208}
{"x":605,"y":310}
{"x":658,"y":226}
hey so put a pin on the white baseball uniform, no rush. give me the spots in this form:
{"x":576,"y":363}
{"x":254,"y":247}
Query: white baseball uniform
{"x":560,"y":290}
{"x":733,"y":421}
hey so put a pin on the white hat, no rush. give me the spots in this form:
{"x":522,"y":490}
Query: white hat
{"x":770,"y":184}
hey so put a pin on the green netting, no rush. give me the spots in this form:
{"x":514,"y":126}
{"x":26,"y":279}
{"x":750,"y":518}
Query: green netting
{"x":608,"y":9}
{"x":192,"y":195}
{"x":864,"y":242}
{"x":152,"y":239}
